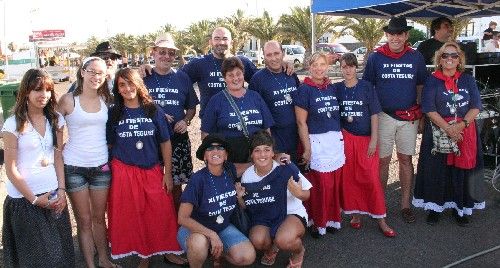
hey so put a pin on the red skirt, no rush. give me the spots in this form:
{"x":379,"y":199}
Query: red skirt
{"x":323,"y":205}
{"x":361,"y":187}
{"x":142,"y":218}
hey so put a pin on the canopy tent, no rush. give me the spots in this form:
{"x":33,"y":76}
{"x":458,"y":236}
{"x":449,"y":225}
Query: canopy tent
{"x":412,"y":9}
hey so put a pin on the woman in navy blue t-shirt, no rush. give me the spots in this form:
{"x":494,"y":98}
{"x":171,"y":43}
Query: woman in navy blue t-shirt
{"x":221,"y":116}
{"x":206,"y":207}
{"x":142,"y":219}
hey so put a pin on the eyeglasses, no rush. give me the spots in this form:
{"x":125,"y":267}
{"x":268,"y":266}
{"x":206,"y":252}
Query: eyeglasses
{"x":215,"y":147}
{"x":447,"y":55}
{"x":171,"y":53}
{"x":94,"y":73}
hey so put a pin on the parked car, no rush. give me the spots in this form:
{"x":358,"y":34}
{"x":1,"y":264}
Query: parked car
{"x":254,"y":56}
{"x":294,"y":53}
{"x":360,"y":53}
{"x":333,"y":51}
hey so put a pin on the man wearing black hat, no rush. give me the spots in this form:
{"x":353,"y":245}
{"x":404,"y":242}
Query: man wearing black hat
{"x":398,"y":74}
{"x":106,"y":52}
{"x":441,"y":31}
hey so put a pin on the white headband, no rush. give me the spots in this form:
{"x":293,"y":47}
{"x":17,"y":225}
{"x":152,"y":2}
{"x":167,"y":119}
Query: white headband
{"x":86,"y":60}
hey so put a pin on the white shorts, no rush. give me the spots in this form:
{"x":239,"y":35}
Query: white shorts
{"x":403,"y":133}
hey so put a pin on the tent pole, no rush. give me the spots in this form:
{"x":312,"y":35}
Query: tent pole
{"x":312,"y":28}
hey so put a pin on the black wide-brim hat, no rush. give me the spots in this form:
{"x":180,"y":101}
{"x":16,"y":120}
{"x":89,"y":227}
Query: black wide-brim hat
{"x":105,"y":48}
{"x":208,"y":141}
{"x":397,"y":25}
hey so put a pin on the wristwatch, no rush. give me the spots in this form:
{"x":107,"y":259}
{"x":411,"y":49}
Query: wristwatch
{"x":466,"y":123}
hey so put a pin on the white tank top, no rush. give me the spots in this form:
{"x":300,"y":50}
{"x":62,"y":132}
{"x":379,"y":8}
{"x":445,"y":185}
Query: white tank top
{"x":86,"y":146}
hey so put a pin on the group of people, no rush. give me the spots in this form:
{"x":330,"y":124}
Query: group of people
{"x":289,"y":155}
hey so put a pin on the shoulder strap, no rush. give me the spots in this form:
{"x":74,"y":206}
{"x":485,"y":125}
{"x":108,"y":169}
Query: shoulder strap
{"x":237,"y":111}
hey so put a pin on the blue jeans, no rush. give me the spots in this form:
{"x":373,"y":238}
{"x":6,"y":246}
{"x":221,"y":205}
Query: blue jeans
{"x":94,"y":178}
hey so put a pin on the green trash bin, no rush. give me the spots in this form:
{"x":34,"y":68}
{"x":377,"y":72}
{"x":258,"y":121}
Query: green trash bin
{"x":8,"y":93}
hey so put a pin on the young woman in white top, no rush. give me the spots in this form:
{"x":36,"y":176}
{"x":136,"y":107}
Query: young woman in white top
{"x":86,"y":156}
{"x":36,"y":229}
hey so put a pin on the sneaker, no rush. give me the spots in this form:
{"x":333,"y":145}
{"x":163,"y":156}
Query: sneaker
{"x":314,"y":232}
{"x":432,"y":218}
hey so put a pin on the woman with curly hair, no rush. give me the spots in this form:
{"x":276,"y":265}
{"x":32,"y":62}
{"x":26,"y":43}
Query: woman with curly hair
{"x":142,"y":219}
{"x":36,"y":227}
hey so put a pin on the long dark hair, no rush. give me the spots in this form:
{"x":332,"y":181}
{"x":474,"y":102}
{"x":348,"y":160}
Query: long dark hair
{"x":132,"y":77}
{"x":102,"y":91}
{"x":35,"y":79}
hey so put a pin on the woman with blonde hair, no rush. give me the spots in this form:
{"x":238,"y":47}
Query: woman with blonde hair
{"x":318,"y":120}
{"x":36,"y":228}
{"x":449,"y":176}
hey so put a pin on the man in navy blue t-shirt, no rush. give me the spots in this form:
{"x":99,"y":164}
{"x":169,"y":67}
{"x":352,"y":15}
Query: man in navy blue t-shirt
{"x":278,"y":89}
{"x":398,"y":74}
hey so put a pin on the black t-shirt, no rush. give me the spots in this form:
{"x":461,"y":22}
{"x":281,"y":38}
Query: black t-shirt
{"x":488,"y":37}
{"x":428,"y":48}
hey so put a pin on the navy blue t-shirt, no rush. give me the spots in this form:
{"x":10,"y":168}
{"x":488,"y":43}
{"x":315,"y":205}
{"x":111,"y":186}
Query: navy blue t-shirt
{"x":395,"y":80}
{"x":206,"y":71}
{"x":173,"y":92}
{"x":278,"y":91}
{"x":210,"y":196}
{"x":134,"y":129}
{"x":221,"y":118}
{"x":266,"y":199}
{"x":360,"y":102}
{"x":436,"y":98}
{"x":319,"y":103}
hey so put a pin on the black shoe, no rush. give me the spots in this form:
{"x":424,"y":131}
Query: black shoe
{"x":462,"y":221}
{"x":432,"y":218}
{"x":314,"y":232}
{"x":331,"y":230}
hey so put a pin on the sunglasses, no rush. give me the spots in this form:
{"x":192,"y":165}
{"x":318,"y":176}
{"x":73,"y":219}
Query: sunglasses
{"x":105,"y":58}
{"x":171,"y":53}
{"x":215,"y":147}
{"x":447,"y":55}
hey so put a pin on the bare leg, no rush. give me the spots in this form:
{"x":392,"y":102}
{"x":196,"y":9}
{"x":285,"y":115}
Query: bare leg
{"x":383,"y":225}
{"x":405,"y":178}
{"x":241,"y":254}
{"x":356,"y":218}
{"x":177,"y":196}
{"x":99,"y":200}
{"x":384,"y":171}
{"x":197,"y":250}
{"x":81,"y":209}
{"x":260,"y":237}
{"x":289,"y":237}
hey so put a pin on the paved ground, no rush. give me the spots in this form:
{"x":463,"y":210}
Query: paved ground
{"x":417,"y":244}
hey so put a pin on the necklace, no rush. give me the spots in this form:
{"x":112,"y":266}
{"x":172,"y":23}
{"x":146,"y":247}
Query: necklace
{"x":287,"y":96}
{"x":167,"y":86}
{"x":43,"y":142}
{"x":139,"y":144}
{"x":350,"y":118}
{"x":220,"y":218}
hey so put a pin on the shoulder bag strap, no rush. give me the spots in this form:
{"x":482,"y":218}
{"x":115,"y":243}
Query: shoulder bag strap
{"x":237,"y":111}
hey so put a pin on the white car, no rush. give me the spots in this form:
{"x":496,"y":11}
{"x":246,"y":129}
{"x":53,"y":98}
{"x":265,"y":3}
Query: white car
{"x":294,"y":53}
{"x":253,"y":56}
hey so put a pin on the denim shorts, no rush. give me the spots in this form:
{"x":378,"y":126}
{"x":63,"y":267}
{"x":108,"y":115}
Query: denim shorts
{"x":230,"y":236}
{"x":94,"y":178}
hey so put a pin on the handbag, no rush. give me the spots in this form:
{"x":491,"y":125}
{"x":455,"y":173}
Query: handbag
{"x":412,"y":114}
{"x":442,"y":143}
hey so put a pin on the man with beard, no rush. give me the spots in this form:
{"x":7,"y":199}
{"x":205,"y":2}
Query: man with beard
{"x":106,"y":52}
{"x":277,"y":88}
{"x":398,"y":73}
{"x":441,"y":31}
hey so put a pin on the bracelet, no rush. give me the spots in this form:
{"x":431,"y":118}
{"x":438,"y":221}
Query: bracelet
{"x":34,"y":201}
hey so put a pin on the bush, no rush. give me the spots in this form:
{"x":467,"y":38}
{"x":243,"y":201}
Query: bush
{"x":416,"y":35}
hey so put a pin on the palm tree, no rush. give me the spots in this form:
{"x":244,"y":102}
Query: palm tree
{"x":367,"y":31}
{"x":143,"y":43}
{"x":237,"y":24}
{"x":90,"y":45}
{"x":123,"y":43}
{"x":264,"y":28}
{"x":199,"y":34}
{"x":297,"y":26}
